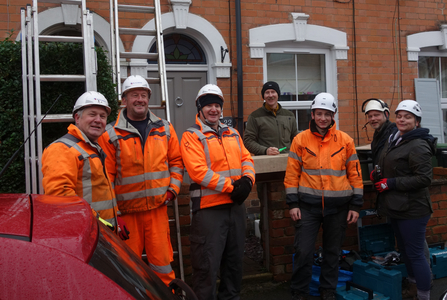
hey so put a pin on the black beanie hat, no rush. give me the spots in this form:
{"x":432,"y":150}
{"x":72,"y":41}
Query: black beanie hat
{"x":208,"y":99}
{"x":270,"y":85}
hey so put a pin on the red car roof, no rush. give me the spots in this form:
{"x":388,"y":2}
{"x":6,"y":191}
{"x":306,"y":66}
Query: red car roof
{"x":63,"y":223}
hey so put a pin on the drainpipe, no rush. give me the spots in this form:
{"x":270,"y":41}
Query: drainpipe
{"x":240,"y":96}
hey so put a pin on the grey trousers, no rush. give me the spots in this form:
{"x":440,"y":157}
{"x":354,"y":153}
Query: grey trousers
{"x":217,"y":242}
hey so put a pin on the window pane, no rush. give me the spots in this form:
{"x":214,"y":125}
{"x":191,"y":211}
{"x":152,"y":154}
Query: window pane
{"x":281,"y":68}
{"x":180,"y":49}
{"x":428,"y":67}
{"x":443,"y":77}
{"x":297,"y":74}
{"x":444,"y":119}
{"x":303,"y":118}
{"x":311,"y":75}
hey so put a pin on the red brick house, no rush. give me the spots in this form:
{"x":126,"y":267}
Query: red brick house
{"x":354,"y":49}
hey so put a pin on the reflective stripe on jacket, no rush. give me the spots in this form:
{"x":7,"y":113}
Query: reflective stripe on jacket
{"x":73,"y":166}
{"x":324,"y":171}
{"x":142,"y":174}
{"x":214,"y":160}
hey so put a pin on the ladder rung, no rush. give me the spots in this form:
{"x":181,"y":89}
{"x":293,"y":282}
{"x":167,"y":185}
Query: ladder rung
{"x":160,"y":107}
{"x":75,"y":2}
{"x":62,"y":78}
{"x":136,"y":8}
{"x":66,"y":39}
{"x":151,"y":56}
{"x":137,"y":31}
{"x":55,"y":118}
{"x":153,"y":80}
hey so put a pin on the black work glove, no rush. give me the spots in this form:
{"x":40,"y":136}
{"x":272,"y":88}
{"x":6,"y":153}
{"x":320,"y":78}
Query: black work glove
{"x":242,"y":188}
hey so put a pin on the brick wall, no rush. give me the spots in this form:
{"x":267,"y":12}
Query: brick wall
{"x":281,"y":229}
{"x":376,"y":39}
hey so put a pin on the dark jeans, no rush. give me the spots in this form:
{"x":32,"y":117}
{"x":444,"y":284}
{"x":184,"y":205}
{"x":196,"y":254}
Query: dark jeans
{"x":217,"y":242}
{"x":410,"y":236}
{"x":306,"y":231}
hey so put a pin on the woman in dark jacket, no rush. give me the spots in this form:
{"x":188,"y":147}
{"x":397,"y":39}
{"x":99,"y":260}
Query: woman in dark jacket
{"x":405,"y":175}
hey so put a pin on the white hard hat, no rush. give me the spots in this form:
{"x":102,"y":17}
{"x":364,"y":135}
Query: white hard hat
{"x":209,"y":89}
{"x":324,"y":101}
{"x":410,"y":106}
{"x":134,"y":82}
{"x":376,"y":104}
{"x":90,"y":99}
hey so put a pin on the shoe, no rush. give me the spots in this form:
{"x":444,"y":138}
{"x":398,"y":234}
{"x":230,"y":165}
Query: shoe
{"x":327,"y":294}
{"x":299,"y":296}
{"x":409,"y":290}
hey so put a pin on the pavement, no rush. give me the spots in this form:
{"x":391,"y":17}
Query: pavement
{"x":257,"y":284}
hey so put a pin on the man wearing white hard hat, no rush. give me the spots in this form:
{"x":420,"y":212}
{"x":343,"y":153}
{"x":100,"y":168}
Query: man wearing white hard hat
{"x":324,"y":187}
{"x":222,"y":174}
{"x":66,"y":161}
{"x":378,"y":113}
{"x":145,"y":165}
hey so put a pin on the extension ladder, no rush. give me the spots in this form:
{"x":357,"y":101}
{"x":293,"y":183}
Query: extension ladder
{"x":117,"y":55}
{"x":31,"y":79}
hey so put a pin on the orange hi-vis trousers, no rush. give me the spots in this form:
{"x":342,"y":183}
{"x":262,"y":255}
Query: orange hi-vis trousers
{"x":150,"y":230}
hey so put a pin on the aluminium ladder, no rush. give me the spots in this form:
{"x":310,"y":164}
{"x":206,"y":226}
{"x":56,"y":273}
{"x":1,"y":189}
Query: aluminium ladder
{"x":31,"y":79}
{"x":117,"y":55}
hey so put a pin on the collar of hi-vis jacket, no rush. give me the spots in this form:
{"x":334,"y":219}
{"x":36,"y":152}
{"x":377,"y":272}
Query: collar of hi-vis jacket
{"x":77,"y":133}
{"x":124,"y":124}
{"x":205,"y":128}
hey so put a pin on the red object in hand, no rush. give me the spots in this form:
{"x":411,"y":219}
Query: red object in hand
{"x":382,"y":185}
{"x":169,"y":197}
{"x":123,"y":233}
{"x":372,"y":174}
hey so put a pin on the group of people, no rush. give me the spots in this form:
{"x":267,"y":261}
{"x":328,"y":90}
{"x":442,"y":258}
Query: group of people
{"x":324,"y":186}
{"x":130,"y":169}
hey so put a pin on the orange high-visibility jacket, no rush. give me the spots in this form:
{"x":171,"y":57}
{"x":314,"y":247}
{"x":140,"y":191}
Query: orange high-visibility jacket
{"x":214,"y":160}
{"x":324,"y":171}
{"x":142,"y":174}
{"x":73,"y":166}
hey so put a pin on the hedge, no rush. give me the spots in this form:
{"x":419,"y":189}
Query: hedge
{"x":55,"y":58}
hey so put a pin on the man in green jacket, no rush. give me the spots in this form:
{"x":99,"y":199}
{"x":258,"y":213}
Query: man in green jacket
{"x":270,"y":128}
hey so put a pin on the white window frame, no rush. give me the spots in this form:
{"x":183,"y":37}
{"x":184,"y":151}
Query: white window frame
{"x":434,"y":53}
{"x":330,"y":67}
{"x":429,"y":43}
{"x":299,"y":37}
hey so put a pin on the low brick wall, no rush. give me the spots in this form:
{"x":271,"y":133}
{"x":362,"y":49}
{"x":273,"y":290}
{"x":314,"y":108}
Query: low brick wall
{"x":281,"y":229}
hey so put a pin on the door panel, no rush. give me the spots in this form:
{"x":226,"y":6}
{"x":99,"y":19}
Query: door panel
{"x":182,"y":91}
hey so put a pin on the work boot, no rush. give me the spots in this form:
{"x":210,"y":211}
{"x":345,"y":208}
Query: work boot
{"x":423,"y":295}
{"x":299,"y":296}
{"x":409,"y":290}
{"x":326,"y":294}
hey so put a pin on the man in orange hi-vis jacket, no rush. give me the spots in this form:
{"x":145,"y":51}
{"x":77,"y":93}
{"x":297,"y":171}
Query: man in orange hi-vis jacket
{"x":73,"y":165}
{"x":222,"y":175}
{"x":324,"y":187}
{"x":145,"y":165}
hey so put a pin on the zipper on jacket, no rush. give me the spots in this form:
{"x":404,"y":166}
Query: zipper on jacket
{"x":310,"y":152}
{"x":337,"y":151}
